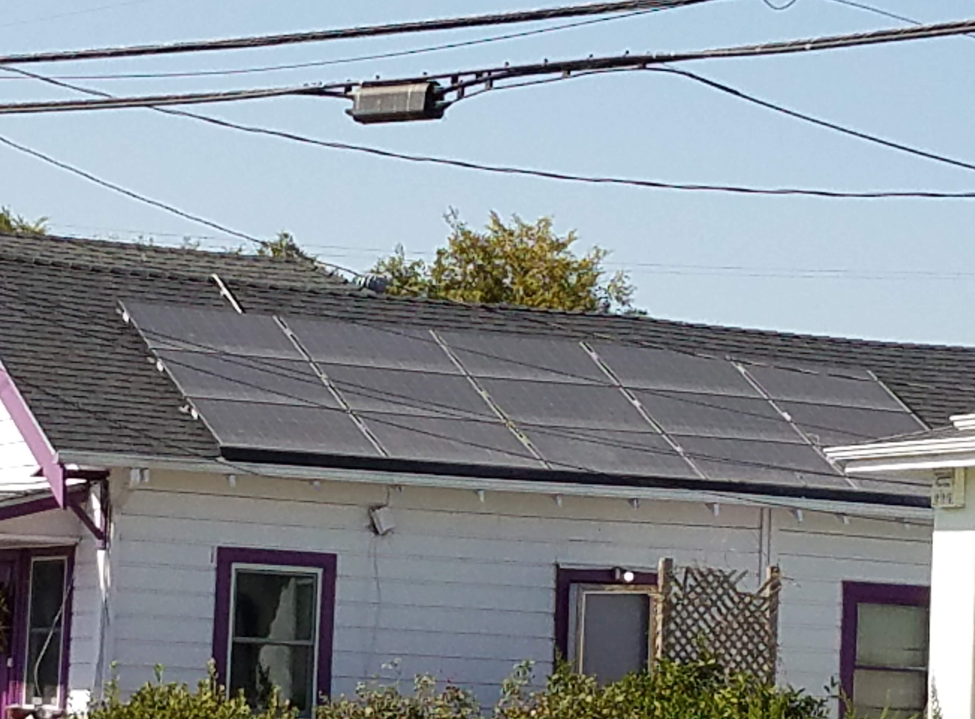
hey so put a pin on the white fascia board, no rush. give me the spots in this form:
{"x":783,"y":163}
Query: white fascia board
{"x":914,"y":463}
{"x":219,"y":466}
{"x":913,"y":448}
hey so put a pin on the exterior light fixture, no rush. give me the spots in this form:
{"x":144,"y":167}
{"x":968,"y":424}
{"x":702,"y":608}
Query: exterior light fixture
{"x":627,"y":576}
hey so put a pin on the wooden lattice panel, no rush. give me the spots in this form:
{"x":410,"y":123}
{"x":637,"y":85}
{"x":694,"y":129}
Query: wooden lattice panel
{"x":705,"y":613}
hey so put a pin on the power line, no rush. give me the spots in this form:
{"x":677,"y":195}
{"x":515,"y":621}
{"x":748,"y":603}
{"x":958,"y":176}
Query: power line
{"x":348,"y":60}
{"x":73,"y":13}
{"x":494,"y":19}
{"x":119,"y":103}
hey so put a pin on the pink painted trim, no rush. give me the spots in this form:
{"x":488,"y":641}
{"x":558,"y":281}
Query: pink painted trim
{"x":42,"y":450}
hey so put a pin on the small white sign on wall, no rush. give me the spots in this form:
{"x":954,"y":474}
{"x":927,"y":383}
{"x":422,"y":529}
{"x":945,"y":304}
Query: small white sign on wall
{"x":948,"y":491}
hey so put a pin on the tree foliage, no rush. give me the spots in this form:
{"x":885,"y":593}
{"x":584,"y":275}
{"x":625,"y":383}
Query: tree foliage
{"x":283,"y":247}
{"x":11,"y":224}
{"x":518,"y":263}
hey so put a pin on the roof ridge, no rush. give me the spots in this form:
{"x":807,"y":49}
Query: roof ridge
{"x":638,"y":321}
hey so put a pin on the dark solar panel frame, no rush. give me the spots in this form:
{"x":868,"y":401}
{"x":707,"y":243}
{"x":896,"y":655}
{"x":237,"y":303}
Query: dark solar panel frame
{"x":176,"y":327}
{"x":241,"y":378}
{"x":358,"y":345}
{"x":370,"y":389}
{"x":508,"y":356}
{"x":825,"y":387}
{"x":608,"y":451}
{"x":554,"y":404}
{"x":448,"y":440}
{"x":684,"y":413}
{"x":644,"y":368}
{"x":283,"y":428}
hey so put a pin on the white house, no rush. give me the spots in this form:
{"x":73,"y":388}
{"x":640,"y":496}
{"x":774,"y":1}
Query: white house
{"x":213,"y":456}
{"x":945,"y":459}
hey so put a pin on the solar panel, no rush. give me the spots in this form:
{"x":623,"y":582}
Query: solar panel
{"x":177,"y":327}
{"x":554,"y":404}
{"x":371,"y":346}
{"x":684,"y":413}
{"x":828,"y":425}
{"x":254,"y":379}
{"x":638,"y":453}
{"x":782,"y":463}
{"x":273,"y":427}
{"x":842,"y":388}
{"x":407,"y":392}
{"x":509,"y":356}
{"x":442,"y":440}
{"x":638,"y":367}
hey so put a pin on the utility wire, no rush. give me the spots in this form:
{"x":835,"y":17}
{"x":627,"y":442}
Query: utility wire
{"x":120,"y":103}
{"x":348,"y":60}
{"x":457,"y":23}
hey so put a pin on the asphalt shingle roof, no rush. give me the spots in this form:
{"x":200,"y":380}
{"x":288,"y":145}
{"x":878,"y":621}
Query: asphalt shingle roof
{"x":88,"y":379}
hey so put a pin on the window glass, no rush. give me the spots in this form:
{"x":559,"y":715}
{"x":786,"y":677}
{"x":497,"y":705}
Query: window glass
{"x":890,"y":635}
{"x":900,"y":694}
{"x":274,"y":638}
{"x":44,"y":629}
{"x":610,"y":630}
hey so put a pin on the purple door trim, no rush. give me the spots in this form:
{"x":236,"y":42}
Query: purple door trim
{"x":564,"y":579}
{"x":30,"y":430}
{"x":856,"y":593}
{"x":13,"y":693}
{"x":227,"y":557}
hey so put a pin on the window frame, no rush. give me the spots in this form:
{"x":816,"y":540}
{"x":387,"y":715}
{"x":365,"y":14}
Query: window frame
{"x":232,"y":559}
{"x":566,"y":578}
{"x":24,"y":559}
{"x":857,"y":593}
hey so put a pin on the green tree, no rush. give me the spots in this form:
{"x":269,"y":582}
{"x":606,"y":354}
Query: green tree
{"x":11,"y":224}
{"x":514,"y":263}
{"x":283,"y":247}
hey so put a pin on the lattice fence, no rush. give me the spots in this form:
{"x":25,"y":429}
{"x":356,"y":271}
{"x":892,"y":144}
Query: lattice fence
{"x":704,"y":612}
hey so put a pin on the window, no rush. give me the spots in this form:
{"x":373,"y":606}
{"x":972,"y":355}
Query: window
{"x":274,"y":622}
{"x":47,"y":609}
{"x":604,"y":621}
{"x":885,"y":648}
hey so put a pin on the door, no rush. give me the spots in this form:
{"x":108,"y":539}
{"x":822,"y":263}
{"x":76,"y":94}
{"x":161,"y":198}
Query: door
{"x":9,"y":689}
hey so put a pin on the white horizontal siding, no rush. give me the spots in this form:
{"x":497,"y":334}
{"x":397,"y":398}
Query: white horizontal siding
{"x":816,"y":556}
{"x":17,"y":464}
{"x":463,"y":589}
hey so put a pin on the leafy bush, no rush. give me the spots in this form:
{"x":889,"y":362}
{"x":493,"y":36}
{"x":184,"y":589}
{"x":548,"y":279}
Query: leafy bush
{"x":157,"y":700}
{"x":672,"y":691}
{"x":692,"y":691}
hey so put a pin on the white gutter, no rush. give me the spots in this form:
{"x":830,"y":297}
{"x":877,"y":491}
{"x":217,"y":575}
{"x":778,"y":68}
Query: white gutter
{"x":911,"y":448}
{"x":566,"y":489}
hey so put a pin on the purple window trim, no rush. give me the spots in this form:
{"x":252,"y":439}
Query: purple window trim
{"x":15,"y":691}
{"x":856,"y":593}
{"x":564,"y":579}
{"x":227,"y":557}
{"x":40,"y":448}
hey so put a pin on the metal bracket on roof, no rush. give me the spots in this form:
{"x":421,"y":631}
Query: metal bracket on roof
{"x":226,"y":293}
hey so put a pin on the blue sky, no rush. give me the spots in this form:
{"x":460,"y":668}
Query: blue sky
{"x":906,"y":262}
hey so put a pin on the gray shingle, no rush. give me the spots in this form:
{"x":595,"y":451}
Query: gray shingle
{"x":87,"y":377}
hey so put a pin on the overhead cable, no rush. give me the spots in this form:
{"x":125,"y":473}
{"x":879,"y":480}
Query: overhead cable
{"x":348,"y":60}
{"x":364,"y":31}
{"x":460,"y":81}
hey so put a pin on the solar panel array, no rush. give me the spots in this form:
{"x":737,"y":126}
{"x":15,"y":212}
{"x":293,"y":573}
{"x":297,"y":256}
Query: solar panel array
{"x":336,"y":388}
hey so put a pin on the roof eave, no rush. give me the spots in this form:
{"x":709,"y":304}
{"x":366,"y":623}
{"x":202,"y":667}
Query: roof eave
{"x":900,"y":511}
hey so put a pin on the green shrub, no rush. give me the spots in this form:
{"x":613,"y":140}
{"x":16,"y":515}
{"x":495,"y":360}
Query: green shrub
{"x":157,"y":700}
{"x":672,"y":691}
{"x":692,"y":691}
